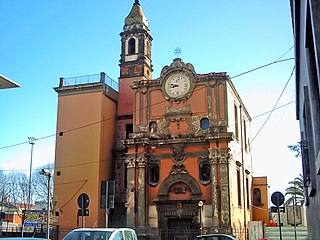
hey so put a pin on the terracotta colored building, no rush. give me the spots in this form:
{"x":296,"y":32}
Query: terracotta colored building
{"x":260,"y":204}
{"x":177,"y":147}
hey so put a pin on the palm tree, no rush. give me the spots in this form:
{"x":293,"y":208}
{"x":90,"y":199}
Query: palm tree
{"x":295,"y":191}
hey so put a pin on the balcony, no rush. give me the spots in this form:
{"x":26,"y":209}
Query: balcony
{"x":87,"y":79}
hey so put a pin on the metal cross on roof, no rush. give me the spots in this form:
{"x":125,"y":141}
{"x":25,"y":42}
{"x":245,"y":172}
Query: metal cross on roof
{"x":177,"y":52}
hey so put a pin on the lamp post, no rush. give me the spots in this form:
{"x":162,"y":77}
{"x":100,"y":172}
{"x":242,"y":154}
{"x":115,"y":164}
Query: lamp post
{"x":48,"y":174}
{"x":31,"y":141}
{"x":200,"y":204}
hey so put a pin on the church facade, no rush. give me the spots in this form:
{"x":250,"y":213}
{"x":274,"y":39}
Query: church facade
{"x":177,"y":147}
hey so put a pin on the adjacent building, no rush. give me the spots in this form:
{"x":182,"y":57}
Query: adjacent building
{"x":306,"y":27}
{"x":7,"y":83}
{"x":177,"y":147}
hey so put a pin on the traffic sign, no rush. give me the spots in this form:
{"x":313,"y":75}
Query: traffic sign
{"x":277,"y":198}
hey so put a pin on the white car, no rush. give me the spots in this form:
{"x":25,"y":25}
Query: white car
{"x":102,"y":234}
{"x":215,"y":237}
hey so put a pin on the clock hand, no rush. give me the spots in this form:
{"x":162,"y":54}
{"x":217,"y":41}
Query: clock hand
{"x":173,"y":85}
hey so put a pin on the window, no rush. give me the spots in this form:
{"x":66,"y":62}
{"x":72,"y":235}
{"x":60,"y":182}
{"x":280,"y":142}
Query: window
{"x":204,"y":123}
{"x":205,"y":175}
{"x":239,"y":187}
{"x":152,"y":128}
{"x":118,"y":236}
{"x":132,"y":46}
{"x":236,"y":120}
{"x":127,"y":235}
{"x":257,"y":197}
{"x":245,"y":135}
{"x":247,"y":191}
{"x":129,"y":129}
{"x":204,"y":170}
{"x":154,"y":173}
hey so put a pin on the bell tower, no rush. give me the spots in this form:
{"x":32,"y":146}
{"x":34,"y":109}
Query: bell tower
{"x":135,"y":59}
{"x":136,"y":45}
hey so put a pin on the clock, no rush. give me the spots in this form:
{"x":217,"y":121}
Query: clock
{"x":177,"y":85}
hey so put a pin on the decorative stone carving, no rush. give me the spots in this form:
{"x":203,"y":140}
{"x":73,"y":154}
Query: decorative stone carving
{"x":178,"y":169}
{"x":177,"y":153}
{"x":142,"y":161}
{"x":163,"y":127}
{"x":183,"y":177}
{"x":193,"y":124}
{"x":130,"y":163}
{"x":220,"y":155}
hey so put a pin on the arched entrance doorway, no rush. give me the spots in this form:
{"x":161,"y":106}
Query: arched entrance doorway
{"x":178,"y":209}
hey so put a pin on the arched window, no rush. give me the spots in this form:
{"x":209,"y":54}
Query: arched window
{"x":205,"y":172}
{"x":132,"y":46}
{"x":257,"y":197}
{"x":154,"y":173}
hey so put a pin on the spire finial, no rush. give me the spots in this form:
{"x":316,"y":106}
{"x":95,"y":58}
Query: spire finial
{"x":177,"y":51}
{"x":136,"y":2}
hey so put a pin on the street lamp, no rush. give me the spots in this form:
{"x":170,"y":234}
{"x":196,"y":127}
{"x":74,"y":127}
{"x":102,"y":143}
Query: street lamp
{"x":200,"y":204}
{"x":31,"y":141}
{"x":48,"y":174}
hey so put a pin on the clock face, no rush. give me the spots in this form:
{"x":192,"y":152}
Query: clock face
{"x":177,"y":85}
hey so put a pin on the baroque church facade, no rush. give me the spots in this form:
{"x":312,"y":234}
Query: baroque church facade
{"x":177,"y":148}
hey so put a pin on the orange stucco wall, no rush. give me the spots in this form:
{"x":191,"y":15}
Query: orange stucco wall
{"x":83,"y":154}
{"x":260,"y":213}
{"x":125,"y":97}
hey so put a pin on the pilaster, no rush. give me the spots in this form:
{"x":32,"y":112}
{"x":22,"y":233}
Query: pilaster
{"x":141,"y":161}
{"x":131,"y":192}
{"x":219,"y":160}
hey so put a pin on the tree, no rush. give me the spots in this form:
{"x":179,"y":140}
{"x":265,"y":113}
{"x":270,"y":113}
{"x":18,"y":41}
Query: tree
{"x":298,"y":148}
{"x":295,"y":191}
{"x":40,"y":183}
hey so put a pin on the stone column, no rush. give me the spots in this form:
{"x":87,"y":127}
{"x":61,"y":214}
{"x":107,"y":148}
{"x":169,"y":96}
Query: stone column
{"x":213,"y":156}
{"x":131,"y":191}
{"x":225,"y":190}
{"x":141,"y":194}
{"x":219,"y":161}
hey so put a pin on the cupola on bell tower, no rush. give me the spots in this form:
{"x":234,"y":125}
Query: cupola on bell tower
{"x":136,"y":45}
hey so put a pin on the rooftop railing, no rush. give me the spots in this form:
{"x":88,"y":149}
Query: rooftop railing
{"x":86,"y":79}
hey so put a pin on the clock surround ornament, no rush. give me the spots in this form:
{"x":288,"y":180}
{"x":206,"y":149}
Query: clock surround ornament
{"x":177,"y":80}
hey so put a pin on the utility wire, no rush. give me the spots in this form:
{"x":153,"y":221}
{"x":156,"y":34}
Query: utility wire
{"x":274,"y":106}
{"x":266,"y":65}
{"x":284,"y":105}
{"x":107,"y":119}
{"x":94,"y":162}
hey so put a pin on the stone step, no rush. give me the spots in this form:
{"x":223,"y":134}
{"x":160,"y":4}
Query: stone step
{"x":272,"y":233}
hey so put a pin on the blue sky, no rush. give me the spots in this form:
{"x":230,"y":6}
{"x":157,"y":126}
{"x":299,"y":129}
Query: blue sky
{"x":44,"y":40}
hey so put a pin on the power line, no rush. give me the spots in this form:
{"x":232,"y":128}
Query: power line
{"x":266,"y":65}
{"x":107,"y":119}
{"x":87,"y":163}
{"x":286,"y":52}
{"x":284,"y":105}
{"x":274,"y":106}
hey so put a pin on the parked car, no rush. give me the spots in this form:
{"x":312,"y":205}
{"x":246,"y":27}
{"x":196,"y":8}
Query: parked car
{"x":22,"y":238}
{"x":102,"y":234}
{"x":215,"y":237}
